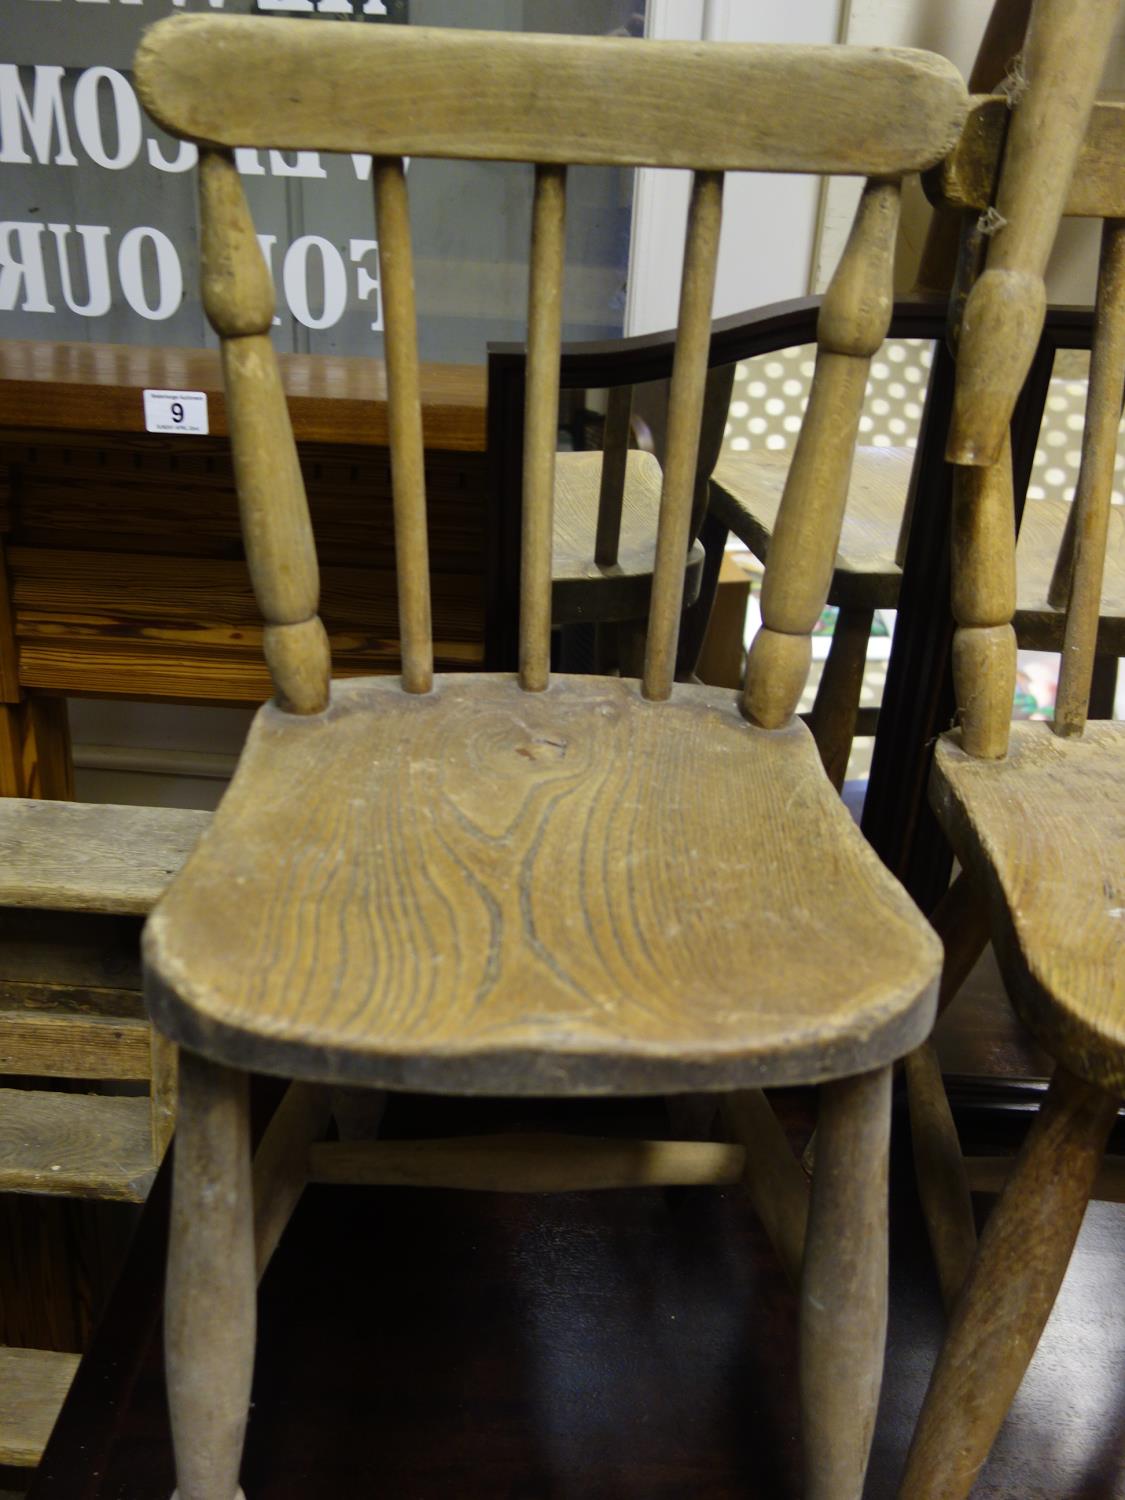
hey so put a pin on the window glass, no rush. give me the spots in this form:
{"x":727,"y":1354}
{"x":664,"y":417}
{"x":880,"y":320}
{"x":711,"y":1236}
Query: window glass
{"x":100,"y":238}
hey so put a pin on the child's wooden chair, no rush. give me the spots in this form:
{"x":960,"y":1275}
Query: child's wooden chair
{"x":1034,"y":810}
{"x":522,"y":885}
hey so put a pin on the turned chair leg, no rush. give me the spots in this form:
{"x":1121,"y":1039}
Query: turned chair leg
{"x":833,"y":716}
{"x":209,"y":1314}
{"x":1010,"y":1291}
{"x":844,"y":1285}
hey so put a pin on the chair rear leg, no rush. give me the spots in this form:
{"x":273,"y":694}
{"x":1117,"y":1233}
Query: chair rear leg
{"x":209,"y":1315}
{"x":1010,"y":1291}
{"x":844,"y":1285}
{"x":837,"y":696}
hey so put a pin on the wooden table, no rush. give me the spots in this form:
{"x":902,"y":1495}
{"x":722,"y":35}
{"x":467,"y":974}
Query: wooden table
{"x":122,"y":567}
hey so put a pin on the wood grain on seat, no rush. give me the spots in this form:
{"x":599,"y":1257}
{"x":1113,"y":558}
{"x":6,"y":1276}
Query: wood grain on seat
{"x":582,"y":589}
{"x":747,"y":497}
{"x":1044,"y":831}
{"x":486,"y":890}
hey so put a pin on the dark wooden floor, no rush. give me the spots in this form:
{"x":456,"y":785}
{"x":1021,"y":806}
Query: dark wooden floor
{"x":426,"y":1345}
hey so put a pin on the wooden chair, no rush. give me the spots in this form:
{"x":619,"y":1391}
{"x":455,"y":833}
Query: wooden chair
{"x":1032,"y":809}
{"x":533,"y":884}
{"x":867,"y":572}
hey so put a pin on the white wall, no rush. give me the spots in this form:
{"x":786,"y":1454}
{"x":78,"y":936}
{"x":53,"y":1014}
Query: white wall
{"x":954,"y":28}
{"x":769,"y":221}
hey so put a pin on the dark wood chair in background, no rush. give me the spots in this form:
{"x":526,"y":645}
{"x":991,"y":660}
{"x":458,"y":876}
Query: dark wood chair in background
{"x":526,"y":884}
{"x":1033,"y":810}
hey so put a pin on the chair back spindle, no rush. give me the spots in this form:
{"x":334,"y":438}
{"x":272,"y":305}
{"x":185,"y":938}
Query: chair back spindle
{"x":611,"y":491}
{"x":685,"y":415}
{"x":541,"y":422}
{"x":1004,"y":314}
{"x":404,"y":413}
{"x":1000,"y":328}
{"x":277,"y":533}
{"x":853,"y":323}
{"x":1090,"y":512}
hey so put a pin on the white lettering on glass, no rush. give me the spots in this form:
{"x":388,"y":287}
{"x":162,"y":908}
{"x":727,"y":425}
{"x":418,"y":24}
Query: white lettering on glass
{"x":95,"y":267}
{"x":87,"y":118}
{"x":43,"y":117}
{"x":169,"y":277}
{"x":294,"y":277}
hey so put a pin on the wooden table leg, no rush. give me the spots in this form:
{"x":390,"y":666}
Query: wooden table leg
{"x":844,"y":1285}
{"x":209,"y":1313}
{"x":1011,"y":1288}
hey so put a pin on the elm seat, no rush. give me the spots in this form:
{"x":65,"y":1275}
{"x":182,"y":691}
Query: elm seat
{"x":1043,"y":833}
{"x":487,"y":890}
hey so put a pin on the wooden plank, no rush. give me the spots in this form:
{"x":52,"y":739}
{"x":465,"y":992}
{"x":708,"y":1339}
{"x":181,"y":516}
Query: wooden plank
{"x":1097,"y":189}
{"x":74,"y":856}
{"x":333,"y":399}
{"x":69,"y":1046}
{"x":189,"y":627}
{"x":33,"y":1386}
{"x":77,"y":1145}
{"x":564,"y":100}
{"x":540,"y":1163}
{"x":75,"y":961}
{"x":989,"y":1174}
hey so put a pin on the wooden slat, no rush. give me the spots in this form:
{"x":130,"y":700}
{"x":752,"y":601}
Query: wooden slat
{"x":527,"y":1163}
{"x":69,"y":1046}
{"x":853,"y":322}
{"x":1097,"y":190}
{"x":549,"y":99}
{"x":1089,"y":519}
{"x":1004,"y":313}
{"x":74,"y":856}
{"x":989,"y":1174}
{"x":541,"y":420}
{"x":273,"y":510}
{"x":685,"y":412}
{"x":611,"y":490}
{"x":75,"y":961}
{"x":396,"y":268}
{"x":77,"y":1145}
{"x":132,"y":623}
{"x":33,"y":1387}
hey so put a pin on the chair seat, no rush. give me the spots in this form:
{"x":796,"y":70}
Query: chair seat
{"x":1044,"y":833}
{"x":1039,"y":626}
{"x":483,"y":890}
{"x":746,"y":495}
{"x":582,"y":591}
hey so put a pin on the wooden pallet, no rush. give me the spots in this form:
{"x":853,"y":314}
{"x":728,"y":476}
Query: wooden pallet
{"x":91,"y":1106}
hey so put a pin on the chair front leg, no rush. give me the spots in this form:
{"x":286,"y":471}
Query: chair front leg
{"x":209,"y":1312}
{"x":1010,"y":1290}
{"x":844,"y":1285}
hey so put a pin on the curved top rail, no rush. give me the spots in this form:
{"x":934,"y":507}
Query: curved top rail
{"x":252,"y":81}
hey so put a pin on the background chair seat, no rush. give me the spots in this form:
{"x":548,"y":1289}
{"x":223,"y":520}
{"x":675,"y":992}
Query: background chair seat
{"x":1044,"y":832}
{"x":582,"y":590}
{"x":746,"y":496}
{"x":488,"y":890}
